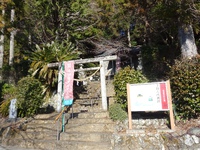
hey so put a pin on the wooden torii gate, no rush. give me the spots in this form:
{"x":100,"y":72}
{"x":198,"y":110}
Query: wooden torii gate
{"x":101,"y":61}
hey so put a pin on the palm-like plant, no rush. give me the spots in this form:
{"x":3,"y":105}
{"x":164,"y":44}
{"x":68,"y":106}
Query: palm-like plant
{"x":49,"y":53}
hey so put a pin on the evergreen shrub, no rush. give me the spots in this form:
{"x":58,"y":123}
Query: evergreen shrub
{"x":185,"y":87}
{"x":117,"y":113}
{"x":8,"y":93}
{"x":29,"y":96}
{"x":124,"y":76}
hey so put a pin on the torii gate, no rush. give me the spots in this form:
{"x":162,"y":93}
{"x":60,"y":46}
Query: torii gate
{"x":101,"y":61}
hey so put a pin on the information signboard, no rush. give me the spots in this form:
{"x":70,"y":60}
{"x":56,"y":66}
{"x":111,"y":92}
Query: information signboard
{"x":155,"y":96}
{"x":149,"y":97}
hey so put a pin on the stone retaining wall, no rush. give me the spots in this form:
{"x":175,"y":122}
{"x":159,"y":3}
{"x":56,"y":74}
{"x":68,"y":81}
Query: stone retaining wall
{"x":155,"y":141}
{"x":153,"y":134}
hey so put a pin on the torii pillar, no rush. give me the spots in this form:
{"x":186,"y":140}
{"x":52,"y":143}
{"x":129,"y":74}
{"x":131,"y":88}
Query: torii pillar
{"x":103,"y":86}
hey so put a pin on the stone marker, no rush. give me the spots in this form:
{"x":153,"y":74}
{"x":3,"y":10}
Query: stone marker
{"x":13,"y":109}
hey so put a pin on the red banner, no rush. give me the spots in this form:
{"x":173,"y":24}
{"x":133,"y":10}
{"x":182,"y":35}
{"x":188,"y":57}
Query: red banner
{"x":163,"y":94}
{"x":68,"y":80}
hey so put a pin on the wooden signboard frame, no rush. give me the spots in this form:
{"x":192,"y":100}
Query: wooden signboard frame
{"x":167,"y":100}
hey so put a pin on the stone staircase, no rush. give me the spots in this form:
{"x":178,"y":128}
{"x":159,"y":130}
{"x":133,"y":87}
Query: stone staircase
{"x":90,"y":131}
{"x":88,"y":128}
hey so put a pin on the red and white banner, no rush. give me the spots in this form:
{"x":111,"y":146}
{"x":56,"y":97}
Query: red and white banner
{"x":68,"y":80}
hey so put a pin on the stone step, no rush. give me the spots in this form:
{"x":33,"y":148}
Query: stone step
{"x":87,"y":99}
{"x":37,"y":135}
{"x":41,"y":127}
{"x":34,"y":144}
{"x":81,"y":104}
{"x":99,"y":127}
{"x":89,"y":120}
{"x":88,"y":108}
{"x":84,"y":96}
{"x":89,"y":146}
{"x":42,"y":121}
{"x":94,"y":115}
{"x":39,"y":123}
{"x":86,"y":137}
{"x":84,"y":105}
{"x":50,"y":116}
{"x":59,"y":145}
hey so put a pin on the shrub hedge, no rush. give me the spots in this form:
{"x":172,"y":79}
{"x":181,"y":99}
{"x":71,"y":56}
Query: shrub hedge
{"x":124,"y":76}
{"x":185,"y":87}
{"x":29,"y":96}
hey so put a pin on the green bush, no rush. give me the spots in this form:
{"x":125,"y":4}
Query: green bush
{"x":29,"y":96}
{"x":117,"y":113}
{"x":185,"y":87}
{"x":8,"y":93}
{"x":4,"y":107}
{"x":124,"y":76}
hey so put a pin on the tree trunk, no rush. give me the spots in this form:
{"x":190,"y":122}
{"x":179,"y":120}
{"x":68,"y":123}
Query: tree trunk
{"x":12,"y":35}
{"x":187,"y":41}
{"x":129,"y":38}
{"x":2,"y":43}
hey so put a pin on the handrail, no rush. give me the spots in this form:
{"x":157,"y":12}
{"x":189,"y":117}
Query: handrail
{"x":57,"y":118}
{"x":60,"y":113}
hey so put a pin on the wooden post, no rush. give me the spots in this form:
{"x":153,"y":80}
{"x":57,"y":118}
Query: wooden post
{"x":103,"y":86}
{"x":171,"y":114}
{"x":129,"y":107}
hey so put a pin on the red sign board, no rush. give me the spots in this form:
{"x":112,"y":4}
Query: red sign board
{"x":163,"y":93}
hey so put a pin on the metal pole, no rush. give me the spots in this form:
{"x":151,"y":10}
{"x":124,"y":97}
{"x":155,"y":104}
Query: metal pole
{"x":58,"y":138}
{"x":63,"y":122}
